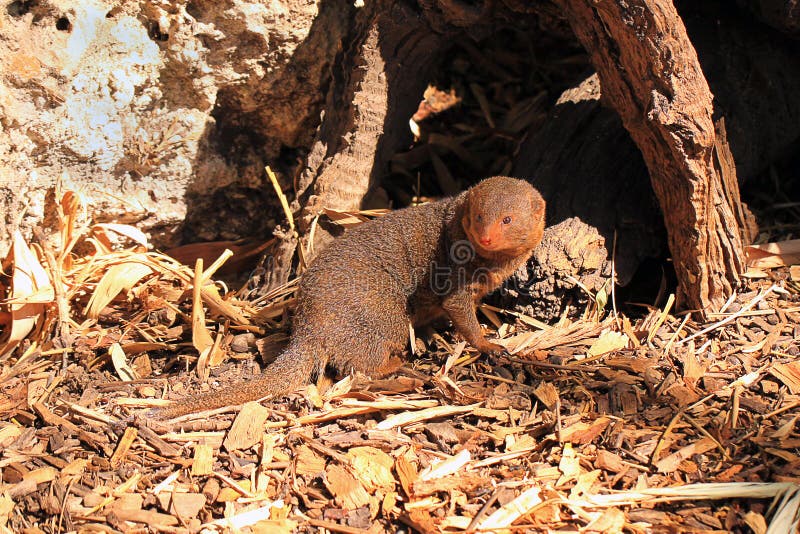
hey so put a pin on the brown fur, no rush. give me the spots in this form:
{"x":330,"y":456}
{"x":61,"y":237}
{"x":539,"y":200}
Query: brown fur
{"x":413,"y":265}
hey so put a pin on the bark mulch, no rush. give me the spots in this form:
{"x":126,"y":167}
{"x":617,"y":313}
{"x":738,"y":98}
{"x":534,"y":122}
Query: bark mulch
{"x":645,"y":422}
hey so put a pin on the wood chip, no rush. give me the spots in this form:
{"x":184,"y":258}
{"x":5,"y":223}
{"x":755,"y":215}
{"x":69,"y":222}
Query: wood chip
{"x":247,"y":428}
{"x":670,"y":463}
{"x":548,"y":394}
{"x":123,"y":446}
{"x":423,"y":415}
{"x":184,"y":505}
{"x":789,"y":374}
{"x":308,"y":462}
{"x":507,"y":514}
{"x":443,"y":468}
{"x":611,"y":521}
{"x":347,"y":491}
{"x":373,"y":468}
{"x":629,"y":420}
{"x":202,"y":460}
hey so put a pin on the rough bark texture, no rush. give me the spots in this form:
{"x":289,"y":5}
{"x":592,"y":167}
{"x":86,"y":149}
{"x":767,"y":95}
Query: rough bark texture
{"x":651,"y":76}
{"x":381,"y":74}
{"x":386,"y":70}
{"x":595,"y":182}
{"x":754,"y":75}
{"x":375,"y":88}
{"x":570,"y":250}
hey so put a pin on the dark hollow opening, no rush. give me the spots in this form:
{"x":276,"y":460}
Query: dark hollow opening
{"x":20,"y":7}
{"x":63,"y":24}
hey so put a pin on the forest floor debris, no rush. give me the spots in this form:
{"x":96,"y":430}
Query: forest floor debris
{"x":607,"y":423}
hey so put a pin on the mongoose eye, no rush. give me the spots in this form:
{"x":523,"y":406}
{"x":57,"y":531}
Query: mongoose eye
{"x":506,"y":220}
{"x":478,"y":218}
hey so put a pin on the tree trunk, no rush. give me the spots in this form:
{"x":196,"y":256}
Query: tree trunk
{"x":650,"y":74}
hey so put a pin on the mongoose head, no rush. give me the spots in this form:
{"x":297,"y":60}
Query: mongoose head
{"x":503,"y":217}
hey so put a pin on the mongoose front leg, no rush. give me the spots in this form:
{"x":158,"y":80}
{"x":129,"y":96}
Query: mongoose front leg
{"x":460,"y":307}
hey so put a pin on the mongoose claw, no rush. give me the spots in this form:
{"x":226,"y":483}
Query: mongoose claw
{"x":490,"y":348}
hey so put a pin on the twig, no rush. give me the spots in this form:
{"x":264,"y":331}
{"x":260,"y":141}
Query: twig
{"x":492,"y":499}
{"x":731,"y":317}
{"x":62,"y":305}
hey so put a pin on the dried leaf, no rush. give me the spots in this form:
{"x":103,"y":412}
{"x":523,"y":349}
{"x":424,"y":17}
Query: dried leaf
{"x":771,"y":255}
{"x":756,"y":522}
{"x":131,"y":232}
{"x":608,"y":341}
{"x":28,"y":281}
{"x":345,"y":219}
{"x":120,"y":362}
{"x":281,"y":197}
{"x":118,"y":278}
{"x":201,"y":337}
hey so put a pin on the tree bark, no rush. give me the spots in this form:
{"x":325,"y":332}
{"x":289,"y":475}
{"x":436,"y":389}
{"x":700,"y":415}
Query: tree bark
{"x":650,"y":74}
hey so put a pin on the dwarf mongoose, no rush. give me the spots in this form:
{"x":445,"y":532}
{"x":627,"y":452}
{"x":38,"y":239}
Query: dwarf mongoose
{"x":358,"y":296}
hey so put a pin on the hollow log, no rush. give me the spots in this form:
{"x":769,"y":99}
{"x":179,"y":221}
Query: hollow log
{"x":650,"y":75}
{"x":587,"y":166}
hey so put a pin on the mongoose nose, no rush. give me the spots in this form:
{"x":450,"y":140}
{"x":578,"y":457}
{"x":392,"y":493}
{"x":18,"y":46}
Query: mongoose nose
{"x":485,"y":240}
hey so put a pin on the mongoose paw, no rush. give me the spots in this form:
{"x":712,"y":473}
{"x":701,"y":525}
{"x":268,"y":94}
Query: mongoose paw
{"x":488,"y":347}
{"x":388,"y":367}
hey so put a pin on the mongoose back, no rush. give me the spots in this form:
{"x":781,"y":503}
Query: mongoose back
{"x":358,"y":296}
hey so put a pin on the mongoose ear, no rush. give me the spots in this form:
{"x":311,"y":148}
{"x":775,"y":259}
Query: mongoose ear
{"x":465,"y":215}
{"x":537,"y":203}
{"x":467,"y":207}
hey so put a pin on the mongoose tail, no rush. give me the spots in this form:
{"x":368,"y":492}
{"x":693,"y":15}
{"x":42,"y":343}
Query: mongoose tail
{"x":291,"y":369}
